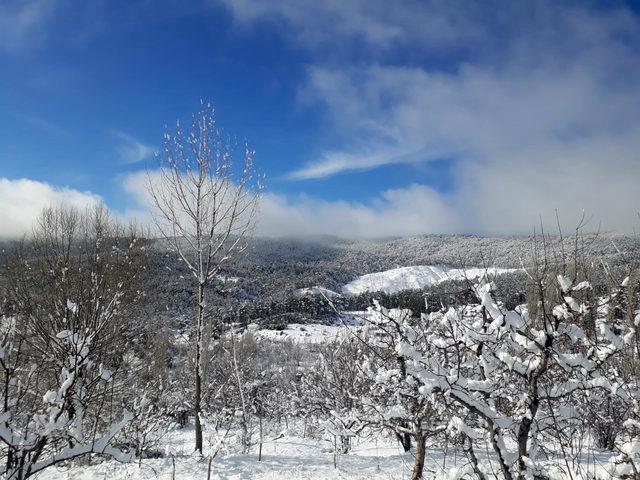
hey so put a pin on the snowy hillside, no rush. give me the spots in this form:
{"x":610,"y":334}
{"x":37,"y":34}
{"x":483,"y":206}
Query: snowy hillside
{"x":412,"y":278}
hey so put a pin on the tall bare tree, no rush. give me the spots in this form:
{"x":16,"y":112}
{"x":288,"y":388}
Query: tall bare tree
{"x":206,"y":208}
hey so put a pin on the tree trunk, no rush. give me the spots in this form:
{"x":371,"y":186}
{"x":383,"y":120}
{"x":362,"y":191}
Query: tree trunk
{"x":404,"y":439}
{"x":523,"y":434}
{"x":496,"y":448}
{"x":467,"y":445}
{"x":197,"y":407}
{"x":534,"y":403}
{"x":418,"y":466}
{"x":260,"y":447}
{"x":345,"y":443}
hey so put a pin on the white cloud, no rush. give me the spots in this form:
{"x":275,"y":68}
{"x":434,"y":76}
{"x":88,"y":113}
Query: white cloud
{"x":504,"y":204}
{"x":410,"y":211}
{"x":540,"y":110}
{"x":527,"y":142}
{"x":414,"y":210}
{"x":22,"y":200}
{"x":130,"y":149}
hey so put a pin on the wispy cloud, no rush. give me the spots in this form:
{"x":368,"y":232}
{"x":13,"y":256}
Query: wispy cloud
{"x":377,"y":24}
{"x":130,"y":149}
{"x":22,"y":22}
{"x":28,"y":24}
{"x":44,"y":125}
{"x":333,"y":163}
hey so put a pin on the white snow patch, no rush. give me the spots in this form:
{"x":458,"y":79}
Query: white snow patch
{"x":306,"y":333}
{"x":313,"y":291}
{"x":415,"y":278}
{"x":225,"y":279}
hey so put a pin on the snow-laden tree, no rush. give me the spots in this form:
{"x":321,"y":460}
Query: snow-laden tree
{"x":394,"y":399}
{"x":71,"y":419}
{"x":331,"y":389}
{"x":625,"y":421}
{"x":205,"y":207}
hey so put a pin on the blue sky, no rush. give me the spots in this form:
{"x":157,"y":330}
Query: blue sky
{"x":368,"y":118}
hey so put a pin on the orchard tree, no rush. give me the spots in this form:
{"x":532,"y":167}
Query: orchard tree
{"x":71,"y":421}
{"x":332,"y":387}
{"x":511,"y":380}
{"x":395,"y":398}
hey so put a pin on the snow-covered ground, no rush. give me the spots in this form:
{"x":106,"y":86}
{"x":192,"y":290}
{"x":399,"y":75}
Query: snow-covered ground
{"x":304,"y":333}
{"x":313,"y":332}
{"x":410,"y":278}
{"x":290,"y":457}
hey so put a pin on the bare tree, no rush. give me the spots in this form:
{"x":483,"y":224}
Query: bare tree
{"x":205,"y":207}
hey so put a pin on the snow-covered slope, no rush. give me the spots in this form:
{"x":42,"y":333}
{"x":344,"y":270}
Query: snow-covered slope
{"x":411,"y":278}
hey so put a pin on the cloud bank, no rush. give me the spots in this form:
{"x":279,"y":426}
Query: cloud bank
{"x":411,"y":211}
{"x":414,"y":210}
{"x":22,"y":200}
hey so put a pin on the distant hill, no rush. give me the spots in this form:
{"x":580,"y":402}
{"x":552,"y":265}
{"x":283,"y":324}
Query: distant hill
{"x":266,"y":277}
